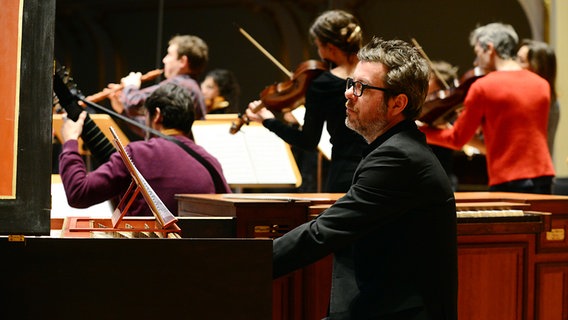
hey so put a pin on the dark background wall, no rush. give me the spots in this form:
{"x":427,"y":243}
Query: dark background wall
{"x":102,"y":40}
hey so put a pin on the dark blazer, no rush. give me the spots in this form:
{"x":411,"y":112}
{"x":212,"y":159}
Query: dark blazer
{"x":393,"y":236}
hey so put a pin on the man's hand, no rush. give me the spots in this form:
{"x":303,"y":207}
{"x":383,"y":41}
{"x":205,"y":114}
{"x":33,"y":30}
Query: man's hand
{"x":132,"y":79}
{"x":114,"y":91}
{"x":71,"y":130}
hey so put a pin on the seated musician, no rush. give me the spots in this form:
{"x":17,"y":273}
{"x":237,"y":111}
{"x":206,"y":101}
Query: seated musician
{"x":167,"y":167}
{"x":221,"y":91}
{"x":393,"y":234}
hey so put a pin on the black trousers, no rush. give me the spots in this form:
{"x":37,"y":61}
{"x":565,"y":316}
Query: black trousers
{"x":540,"y":185}
{"x":409,"y":314}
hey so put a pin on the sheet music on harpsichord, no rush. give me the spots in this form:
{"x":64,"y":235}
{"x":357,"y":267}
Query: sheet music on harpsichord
{"x":253,"y":157}
{"x":139,"y":184}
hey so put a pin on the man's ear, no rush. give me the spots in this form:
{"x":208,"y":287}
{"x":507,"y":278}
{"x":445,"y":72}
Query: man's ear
{"x":185,"y":61}
{"x":400,"y":102}
{"x":157,"y":117}
{"x":490,"y":47}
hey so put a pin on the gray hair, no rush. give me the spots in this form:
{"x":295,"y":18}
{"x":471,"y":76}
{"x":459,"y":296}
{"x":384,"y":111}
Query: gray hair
{"x":407,"y":71}
{"x":503,"y":37}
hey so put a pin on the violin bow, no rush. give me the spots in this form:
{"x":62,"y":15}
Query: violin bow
{"x":266,"y":53}
{"x":430,"y":63}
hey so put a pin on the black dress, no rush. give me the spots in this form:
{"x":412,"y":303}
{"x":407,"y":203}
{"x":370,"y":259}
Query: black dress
{"x":325,"y":102}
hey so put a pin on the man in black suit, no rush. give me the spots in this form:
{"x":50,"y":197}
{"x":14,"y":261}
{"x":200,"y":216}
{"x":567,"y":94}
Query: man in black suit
{"x":393,"y":234}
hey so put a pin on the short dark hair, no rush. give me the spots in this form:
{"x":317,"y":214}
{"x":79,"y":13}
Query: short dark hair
{"x":176,"y":106}
{"x":228,"y":86}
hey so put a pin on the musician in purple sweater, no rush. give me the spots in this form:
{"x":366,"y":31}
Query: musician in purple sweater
{"x":166,"y":166}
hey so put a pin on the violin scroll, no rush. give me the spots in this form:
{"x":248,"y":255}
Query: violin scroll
{"x":441,"y":106}
{"x":287,"y":95}
{"x":243,"y":119}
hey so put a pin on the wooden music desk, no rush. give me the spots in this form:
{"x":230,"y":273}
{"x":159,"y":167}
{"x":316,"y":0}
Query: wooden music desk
{"x":269,"y":216}
{"x":509,"y":267}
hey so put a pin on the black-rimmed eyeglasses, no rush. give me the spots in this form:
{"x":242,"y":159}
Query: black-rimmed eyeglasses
{"x":359,"y":87}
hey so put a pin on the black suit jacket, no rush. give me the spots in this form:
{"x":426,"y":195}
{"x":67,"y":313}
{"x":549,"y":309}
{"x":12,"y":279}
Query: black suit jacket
{"x":393,"y":235}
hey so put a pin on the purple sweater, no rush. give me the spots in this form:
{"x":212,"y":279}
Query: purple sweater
{"x":168,"y":169}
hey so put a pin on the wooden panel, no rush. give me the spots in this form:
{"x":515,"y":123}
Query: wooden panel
{"x":264,"y":218}
{"x":258,"y":218}
{"x":491,"y":281}
{"x":9,"y":74}
{"x":556,"y":239}
{"x":54,"y":278}
{"x":28,"y":211}
{"x":287,"y":297}
{"x":552,"y":291}
{"x":317,"y":286}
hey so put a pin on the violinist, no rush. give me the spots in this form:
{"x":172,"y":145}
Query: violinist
{"x":511,"y":105}
{"x":338,"y":37}
{"x":186,"y":58}
{"x":221,"y":91}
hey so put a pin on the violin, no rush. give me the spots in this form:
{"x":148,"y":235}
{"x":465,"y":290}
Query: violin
{"x":216,"y":104}
{"x":151,"y":75}
{"x":287,"y":95}
{"x":442,"y":106}
{"x":101,"y":95}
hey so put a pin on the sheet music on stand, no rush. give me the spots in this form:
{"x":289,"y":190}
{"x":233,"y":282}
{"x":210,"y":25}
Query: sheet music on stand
{"x":163,"y":216}
{"x":324,"y":146}
{"x":253,"y":157}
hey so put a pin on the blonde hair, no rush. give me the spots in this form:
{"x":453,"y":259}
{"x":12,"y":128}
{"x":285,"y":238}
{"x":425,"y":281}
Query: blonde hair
{"x":339,"y":28}
{"x":196,"y":51}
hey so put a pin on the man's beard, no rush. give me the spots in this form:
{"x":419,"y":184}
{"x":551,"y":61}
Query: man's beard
{"x":369,"y":128}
